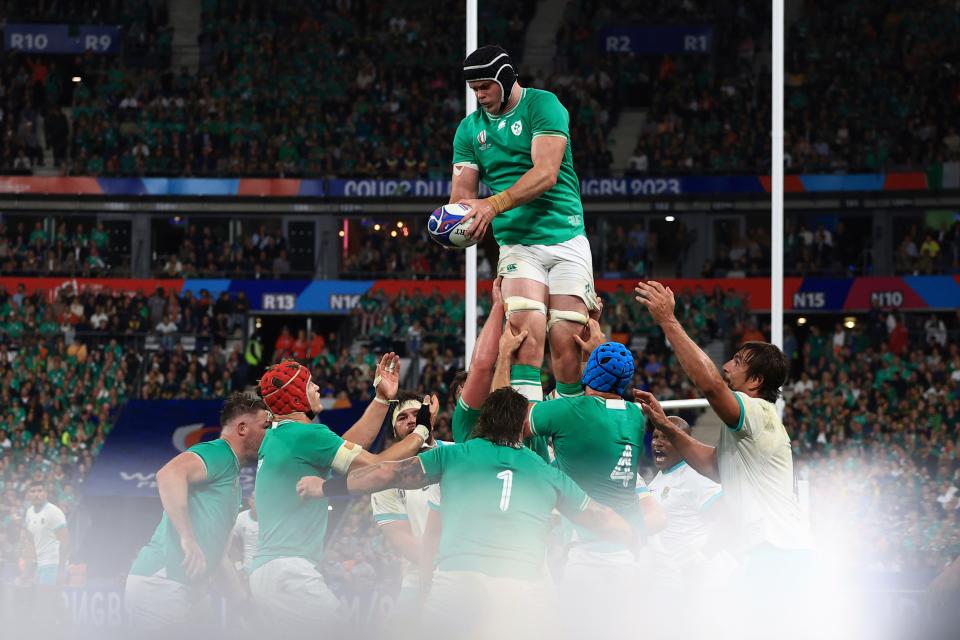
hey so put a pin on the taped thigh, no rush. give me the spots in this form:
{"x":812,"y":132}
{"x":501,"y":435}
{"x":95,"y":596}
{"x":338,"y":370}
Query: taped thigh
{"x":515,"y":304}
{"x":560,"y":315}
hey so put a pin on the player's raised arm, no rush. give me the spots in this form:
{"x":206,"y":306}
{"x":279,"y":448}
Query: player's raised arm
{"x":477,"y":386}
{"x":697,"y":364}
{"x":402,"y":474}
{"x":387,"y":383}
{"x":509,"y":343}
{"x":702,"y":457}
{"x":173,"y":482}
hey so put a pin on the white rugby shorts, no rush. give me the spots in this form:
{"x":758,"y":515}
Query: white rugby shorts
{"x":566,"y":268}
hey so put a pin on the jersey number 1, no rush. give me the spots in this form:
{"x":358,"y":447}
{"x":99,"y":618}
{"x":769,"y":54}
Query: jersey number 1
{"x":507,"y":478}
{"x":622,"y":471}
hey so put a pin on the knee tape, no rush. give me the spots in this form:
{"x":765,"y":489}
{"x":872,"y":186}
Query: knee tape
{"x":513,"y":304}
{"x":558,"y":315}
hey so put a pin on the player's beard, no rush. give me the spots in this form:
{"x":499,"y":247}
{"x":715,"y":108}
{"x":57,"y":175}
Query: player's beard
{"x":311,"y":414}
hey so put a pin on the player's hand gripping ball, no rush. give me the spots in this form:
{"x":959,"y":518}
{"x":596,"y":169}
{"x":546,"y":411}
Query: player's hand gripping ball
{"x":446,"y":228}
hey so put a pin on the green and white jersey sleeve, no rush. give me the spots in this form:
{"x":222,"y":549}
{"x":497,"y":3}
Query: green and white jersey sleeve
{"x":464,"y":420}
{"x":213,"y":505}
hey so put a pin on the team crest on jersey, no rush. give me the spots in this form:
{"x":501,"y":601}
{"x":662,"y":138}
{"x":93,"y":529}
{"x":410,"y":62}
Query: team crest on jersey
{"x":517,"y":128}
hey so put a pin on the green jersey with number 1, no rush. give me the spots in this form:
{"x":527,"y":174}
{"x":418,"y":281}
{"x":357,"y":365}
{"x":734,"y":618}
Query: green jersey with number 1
{"x":597,"y":442}
{"x":500,"y":148}
{"x":496,"y":503}
{"x":465,"y":419}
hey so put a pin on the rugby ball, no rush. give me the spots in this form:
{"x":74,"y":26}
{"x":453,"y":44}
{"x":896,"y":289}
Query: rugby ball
{"x":444,"y":226}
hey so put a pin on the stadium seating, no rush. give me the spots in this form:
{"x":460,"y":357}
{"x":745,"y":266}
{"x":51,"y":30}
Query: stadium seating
{"x":287,"y":115}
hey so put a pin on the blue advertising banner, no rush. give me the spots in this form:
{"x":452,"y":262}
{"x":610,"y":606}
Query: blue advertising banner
{"x":149,"y":433}
{"x":657,"y":40}
{"x":61,"y":38}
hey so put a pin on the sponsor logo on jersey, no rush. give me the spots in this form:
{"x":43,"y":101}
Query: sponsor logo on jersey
{"x":516,"y":128}
{"x":511,"y":267}
{"x":502,"y":124}
{"x":666,"y":490}
{"x":482,"y":140}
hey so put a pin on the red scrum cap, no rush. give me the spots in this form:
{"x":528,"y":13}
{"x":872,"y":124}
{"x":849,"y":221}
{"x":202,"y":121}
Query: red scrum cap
{"x":284,"y":388}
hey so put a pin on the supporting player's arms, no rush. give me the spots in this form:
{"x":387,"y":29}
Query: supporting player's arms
{"x":606,"y":522}
{"x":509,"y":343}
{"x":477,"y":386}
{"x":407,"y":447}
{"x":387,"y":381}
{"x":173,"y":482}
{"x":702,"y":457}
{"x":697,"y":364}
{"x":403,"y":474}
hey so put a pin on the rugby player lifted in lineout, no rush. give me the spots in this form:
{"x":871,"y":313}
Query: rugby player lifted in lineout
{"x":518,"y":144}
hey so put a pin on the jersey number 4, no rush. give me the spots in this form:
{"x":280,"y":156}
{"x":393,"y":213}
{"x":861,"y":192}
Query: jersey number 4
{"x":507,"y":478}
{"x":622,"y":472}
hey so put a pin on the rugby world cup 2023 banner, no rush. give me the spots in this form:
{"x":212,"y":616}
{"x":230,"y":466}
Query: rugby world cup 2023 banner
{"x":149,"y":433}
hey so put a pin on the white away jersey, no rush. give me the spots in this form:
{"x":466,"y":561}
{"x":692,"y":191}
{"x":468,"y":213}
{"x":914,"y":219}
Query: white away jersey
{"x":43,"y":526}
{"x":756,"y":472}
{"x":246,"y":530}
{"x":684,"y":494}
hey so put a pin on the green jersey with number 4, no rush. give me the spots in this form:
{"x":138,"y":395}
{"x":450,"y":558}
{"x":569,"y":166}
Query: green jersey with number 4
{"x":497,"y":503}
{"x":597,"y":442}
{"x":499,"y":147}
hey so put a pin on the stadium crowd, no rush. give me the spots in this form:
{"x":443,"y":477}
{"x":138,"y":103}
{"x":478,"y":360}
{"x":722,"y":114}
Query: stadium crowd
{"x":39,"y":249}
{"x":263,"y":102}
{"x":873,"y":409}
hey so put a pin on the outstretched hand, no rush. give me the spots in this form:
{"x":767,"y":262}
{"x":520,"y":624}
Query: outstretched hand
{"x":510,"y":341}
{"x":652,"y":409}
{"x":658,"y":300}
{"x":594,"y":337}
{"x":387,"y":378}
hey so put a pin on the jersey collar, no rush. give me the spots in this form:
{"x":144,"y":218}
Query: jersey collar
{"x":682,"y":463}
{"x":523,"y":92}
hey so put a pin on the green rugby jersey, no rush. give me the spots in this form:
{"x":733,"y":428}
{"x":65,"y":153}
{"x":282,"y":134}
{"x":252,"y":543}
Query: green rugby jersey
{"x":289,"y":526}
{"x":465,"y":419}
{"x":497,"y":503}
{"x":213,"y":506}
{"x":597,"y":442}
{"x":500,"y":148}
